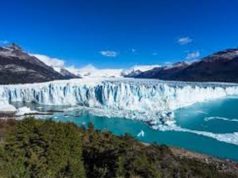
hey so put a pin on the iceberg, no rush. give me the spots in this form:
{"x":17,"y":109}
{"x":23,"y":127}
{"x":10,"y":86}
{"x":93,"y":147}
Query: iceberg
{"x":24,"y":110}
{"x":132,"y":98}
{"x":5,"y":107}
{"x":141,"y":134}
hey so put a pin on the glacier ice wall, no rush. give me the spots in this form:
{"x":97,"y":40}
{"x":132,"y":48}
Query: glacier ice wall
{"x":151,"y":97}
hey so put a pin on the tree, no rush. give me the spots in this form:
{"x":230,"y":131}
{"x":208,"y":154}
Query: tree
{"x":43,"y":149}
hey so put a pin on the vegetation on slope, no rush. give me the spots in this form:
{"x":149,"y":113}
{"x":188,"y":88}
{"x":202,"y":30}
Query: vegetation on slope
{"x":37,"y":148}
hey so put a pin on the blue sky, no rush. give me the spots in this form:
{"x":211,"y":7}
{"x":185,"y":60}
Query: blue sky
{"x":120,"y":33}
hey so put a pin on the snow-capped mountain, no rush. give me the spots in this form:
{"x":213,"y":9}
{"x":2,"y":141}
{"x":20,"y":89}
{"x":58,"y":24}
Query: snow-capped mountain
{"x":57,"y":64}
{"x":137,"y":69}
{"x":17,"y":66}
{"x":177,"y":65}
{"x":171,"y":68}
{"x":90,"y":71}
{"x":218,"y":67}
{"x":64,"y":72}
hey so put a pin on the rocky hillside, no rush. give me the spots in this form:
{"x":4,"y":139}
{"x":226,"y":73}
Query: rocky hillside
{"x":218,"y":67}
{"x":17,"y":66}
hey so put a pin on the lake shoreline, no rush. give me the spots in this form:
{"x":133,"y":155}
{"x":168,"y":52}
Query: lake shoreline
{"x":224,"y":165}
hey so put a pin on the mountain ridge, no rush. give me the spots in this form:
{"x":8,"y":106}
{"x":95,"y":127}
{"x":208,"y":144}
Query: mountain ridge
{"x":219,"y":67}
{"x":17,"y":66}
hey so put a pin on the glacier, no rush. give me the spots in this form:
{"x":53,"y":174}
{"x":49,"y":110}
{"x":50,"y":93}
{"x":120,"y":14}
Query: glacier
{"x":144,"y":99}
{"x":149,"y":100}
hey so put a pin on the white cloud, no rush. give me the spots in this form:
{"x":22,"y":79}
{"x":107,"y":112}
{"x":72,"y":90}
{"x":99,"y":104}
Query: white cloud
{"x":108,"y":53}
{"x":53,"y":62}
{"x":184,"y":40}
{"x":193,"y":55}
{"x":86,"y":71}
{"x":133,"y":50}
{"x":82,"y":71}
{"x":90,"y":71}
{"x":74,"y":70}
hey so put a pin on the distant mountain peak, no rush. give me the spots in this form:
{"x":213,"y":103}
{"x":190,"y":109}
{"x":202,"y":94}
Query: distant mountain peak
{"x":14,"y":46}
{"x":12,"y":50}
{"x":18,"y":66}
{"x":179,"y":64}
{"x":218,"y":67}
{"x":228,"y":54}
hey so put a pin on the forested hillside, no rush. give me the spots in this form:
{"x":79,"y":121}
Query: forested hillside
{"x":44,"y":148}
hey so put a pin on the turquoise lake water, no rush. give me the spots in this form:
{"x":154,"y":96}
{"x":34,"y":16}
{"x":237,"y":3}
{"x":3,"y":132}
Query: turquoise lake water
{"x":218,"y":117}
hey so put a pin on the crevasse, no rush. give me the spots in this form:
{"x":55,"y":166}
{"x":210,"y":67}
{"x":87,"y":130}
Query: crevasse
{"x":132,"y":95}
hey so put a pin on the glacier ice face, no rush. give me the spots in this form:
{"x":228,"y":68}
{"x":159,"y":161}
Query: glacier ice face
{"x":150,"y":98}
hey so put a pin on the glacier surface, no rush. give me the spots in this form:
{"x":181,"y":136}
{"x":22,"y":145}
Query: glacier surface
{"x":150,"y":98}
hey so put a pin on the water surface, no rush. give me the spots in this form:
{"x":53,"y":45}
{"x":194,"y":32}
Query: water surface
{"x":218,"y":117}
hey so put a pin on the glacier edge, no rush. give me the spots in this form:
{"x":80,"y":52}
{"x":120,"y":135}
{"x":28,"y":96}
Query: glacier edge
{"x":152,"y":99}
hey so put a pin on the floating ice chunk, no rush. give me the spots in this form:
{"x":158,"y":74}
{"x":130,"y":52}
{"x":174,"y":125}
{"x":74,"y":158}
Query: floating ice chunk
{"x":24,"y":110}
{"x":200,"y":112}
{"x":5,"y":107}
{"x":220,"y":118}
{"x":141,"y":134}
{"x":231,"y":138}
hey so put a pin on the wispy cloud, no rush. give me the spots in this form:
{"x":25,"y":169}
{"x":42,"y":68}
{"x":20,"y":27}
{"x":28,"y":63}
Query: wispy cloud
{"x":133,"y":50}
{"x":109,"y":53}
{"x":53,"y":62}
{"x":184,"y":40}
{"x":193,"y":55}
